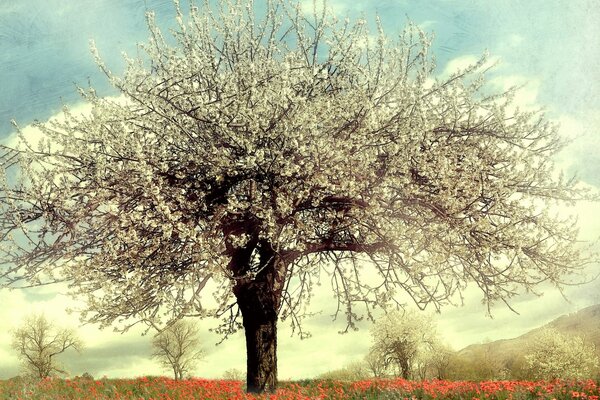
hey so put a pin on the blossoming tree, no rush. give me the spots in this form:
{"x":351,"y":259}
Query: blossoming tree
{"x":552,"y":355}
{"x":245,"y":156}
{"x":402,"y":339}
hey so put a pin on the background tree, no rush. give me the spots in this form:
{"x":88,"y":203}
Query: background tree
{"x":375,"y":364}
{"x":434,"y":361}
{"x":247,"y":156}
{"x":400,"y":338}
{"x":38,"y":343}
{"x":479,"y":364}
{"x":353,"y":371}
{"x":178,"y":348}
{"x":233,"y":374}
{"x":441,"y":358}
{"x":552,"y":355}
{"x":518,"y":369}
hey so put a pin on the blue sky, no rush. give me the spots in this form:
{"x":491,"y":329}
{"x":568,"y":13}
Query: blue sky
{"x":551,"y":46}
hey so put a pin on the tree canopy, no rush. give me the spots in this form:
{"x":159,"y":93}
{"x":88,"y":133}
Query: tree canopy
{"x":247,"y":156}
{"x":553,"y":355}
{"x":401,"y":341}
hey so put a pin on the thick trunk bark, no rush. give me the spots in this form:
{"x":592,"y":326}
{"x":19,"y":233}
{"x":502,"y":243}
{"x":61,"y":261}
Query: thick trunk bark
{"x":259,"y":312}
{"x":259,"y":299}
{"x":261,"y":350}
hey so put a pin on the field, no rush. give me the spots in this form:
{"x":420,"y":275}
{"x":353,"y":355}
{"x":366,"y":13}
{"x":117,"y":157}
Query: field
{"x":167,"y":389}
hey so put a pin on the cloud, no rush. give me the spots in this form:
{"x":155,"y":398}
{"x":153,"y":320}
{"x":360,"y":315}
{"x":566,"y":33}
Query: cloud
{"x":427,"y":24}
{"x":469,"y":324}
{"x":33,"y":134}
{"x":581,"y":157}
{"x":128,"y":355}
{"x":13,"y":304}
{"x":459,"y":63}
{"x":514,"y":40}
{"x":526,"y":97}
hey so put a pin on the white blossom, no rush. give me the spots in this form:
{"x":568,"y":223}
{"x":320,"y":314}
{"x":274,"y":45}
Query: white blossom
{"x":552,"y":354}
{"x":314,"y":143}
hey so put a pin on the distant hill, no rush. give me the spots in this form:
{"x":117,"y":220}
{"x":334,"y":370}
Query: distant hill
{"x":584,"y":323}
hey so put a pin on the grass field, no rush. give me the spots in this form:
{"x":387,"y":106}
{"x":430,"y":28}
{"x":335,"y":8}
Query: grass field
{"x":163,"y":388}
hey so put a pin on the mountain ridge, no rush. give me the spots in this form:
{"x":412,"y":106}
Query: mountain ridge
{"x":584,"y":323}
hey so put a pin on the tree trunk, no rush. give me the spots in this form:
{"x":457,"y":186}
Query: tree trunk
{"x":405,"y":369}
{"x":261,"y":351}
{"x":259,"y":299}
{"x":259,"y":313}
{"x":178,"y":373}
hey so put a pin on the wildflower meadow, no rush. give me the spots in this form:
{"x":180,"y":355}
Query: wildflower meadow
{"x":155,"y":388}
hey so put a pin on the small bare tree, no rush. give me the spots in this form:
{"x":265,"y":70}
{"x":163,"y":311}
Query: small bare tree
{"x":178,"y":348}
{"x":233,"y":374}
{"x":439,"y":359}
{"x":376,"y":364}
{"x":38,"y":343}
{"x":433,"y":361}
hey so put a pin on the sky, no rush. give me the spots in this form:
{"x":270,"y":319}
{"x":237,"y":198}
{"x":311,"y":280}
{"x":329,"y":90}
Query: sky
{"x":549,"y":46}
